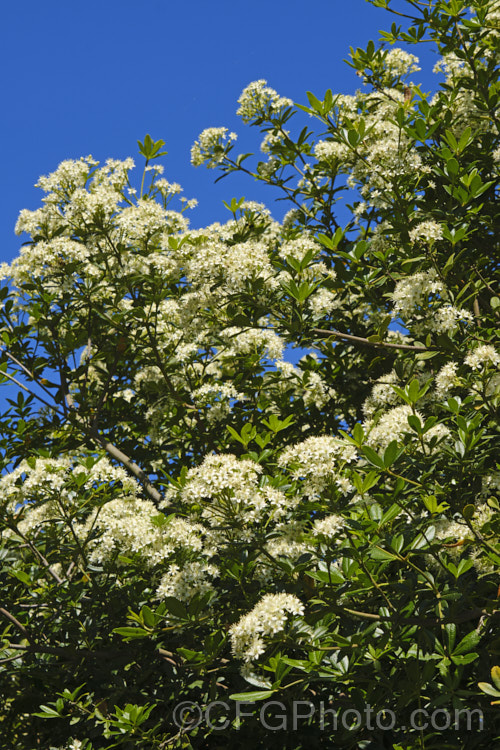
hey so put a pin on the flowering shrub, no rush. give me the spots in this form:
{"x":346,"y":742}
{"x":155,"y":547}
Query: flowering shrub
{"x":187,"y":516}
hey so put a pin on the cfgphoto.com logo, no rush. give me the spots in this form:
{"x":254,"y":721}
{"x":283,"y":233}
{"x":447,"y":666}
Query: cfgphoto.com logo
{"x":275,"y":716}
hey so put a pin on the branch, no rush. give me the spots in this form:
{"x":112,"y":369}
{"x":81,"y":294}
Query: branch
{"x":109,"y":448}
{"x":71,"y":653}
{"x":66,"y":651}
{"x":367,"y":342}
{"x":26,"y":370}
{"x":9,"y":659}
{"x":477,"y":311}
{"x":127,"y":462}
{"x":159,"y":361}
{"x":32,"y":393}
{"x":15,"y":622}
{"x":472,"y":614}
{"x":116,"y":453}
{"x":37,"y":552}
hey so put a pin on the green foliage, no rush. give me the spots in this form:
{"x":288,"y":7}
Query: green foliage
{"x":195,"y":532}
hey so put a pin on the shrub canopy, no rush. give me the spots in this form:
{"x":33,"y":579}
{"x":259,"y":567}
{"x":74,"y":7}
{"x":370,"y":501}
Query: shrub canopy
{"x":189,"y":517}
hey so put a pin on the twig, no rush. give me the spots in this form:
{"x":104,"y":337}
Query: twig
{"x":15,"y":622}
{"x":477,"y":311}
{"x":25,"y":369}
{"x":130,"y":465}
{"x":367,"y":342}
{"x":464,"y":617}
{"x":37,"y":552}
{"x":32,"y":393}
{"x":10,"y":658}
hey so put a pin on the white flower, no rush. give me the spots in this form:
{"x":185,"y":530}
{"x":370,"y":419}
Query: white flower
{"x":259,"y":100}
{"x":245,"y":341}
{"x":273,"y":138}
{"x":141,"y":221}
{"x":317,"y":392}
{"x":290,"y":543}
{"x":400,"y":63}
{"x":383,"y":394}
{"x":483,"y":355}
{"x":227,"y":488}
{"x":452,"y":532}
{"x":184,"y":583}
{"x":331,"y":526}
{"x":331,"y":151}
{"x":427,"y":231}
{"x":211,"y":146}
{"x":447,"y":317}
{"x":318,"y":461}
{"x":128,"y":526}
{"x":446,"y":379}
{"x":393,"y":425}
{"x":322,"y":303}
{"x":414,"y":291}
{"x":267,"y":618}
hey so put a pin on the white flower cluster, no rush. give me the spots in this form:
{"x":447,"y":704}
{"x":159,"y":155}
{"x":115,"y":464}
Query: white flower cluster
{"x":383,"y":394}
{"x":463,"y":105}
{"x":482,"y":515}
{"x":393,"y":425}
{"x":450,"y":65}
{"x":211,"y":147}
{"x":142,"y":221}
{"x":453,"y":533}
{"x":427,"y":231}
{"x":290,"y":543}
{"x":318,"y":461}
{"x":36,"y":481}
{"x":330,"y":527}
{"x":446,"y":379}
{"x":422,"y":300}
{"x":93,"y":206}
{"x":482,"y":356}
{"x":414,"y":291}
{"x":207,"y":265}
{"x":447,"y":317}
{"x":82,"y":200}
{"x":290,"y":218}
{"x":299,"y":247}
{"x":217,"y":397}
{"x":259,"y":100}
{"x":268,"y":168}
{"x":235,"y":264}
{"x":187,"y":581}
{"x":73,"y":745}
{"x":69,"y":175}
{"x":103,"y":474}
{"x":227,"y":490}
{"x":331,"y":152}
{"x":34,"y":261}
{"x":267,"y":618}
{"x":272,"y":139}
{"x":323,"y":302}
{"x":384,"y":153}
{"x":247,"y":340}
{"x":31,"y":222}
{"x":127,"y":526}
{"x":41,"y":492}
{"x":400,"y":63}
{"x":316,"y":392}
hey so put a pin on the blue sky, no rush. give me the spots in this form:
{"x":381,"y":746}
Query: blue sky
{"x":93,"y":76}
